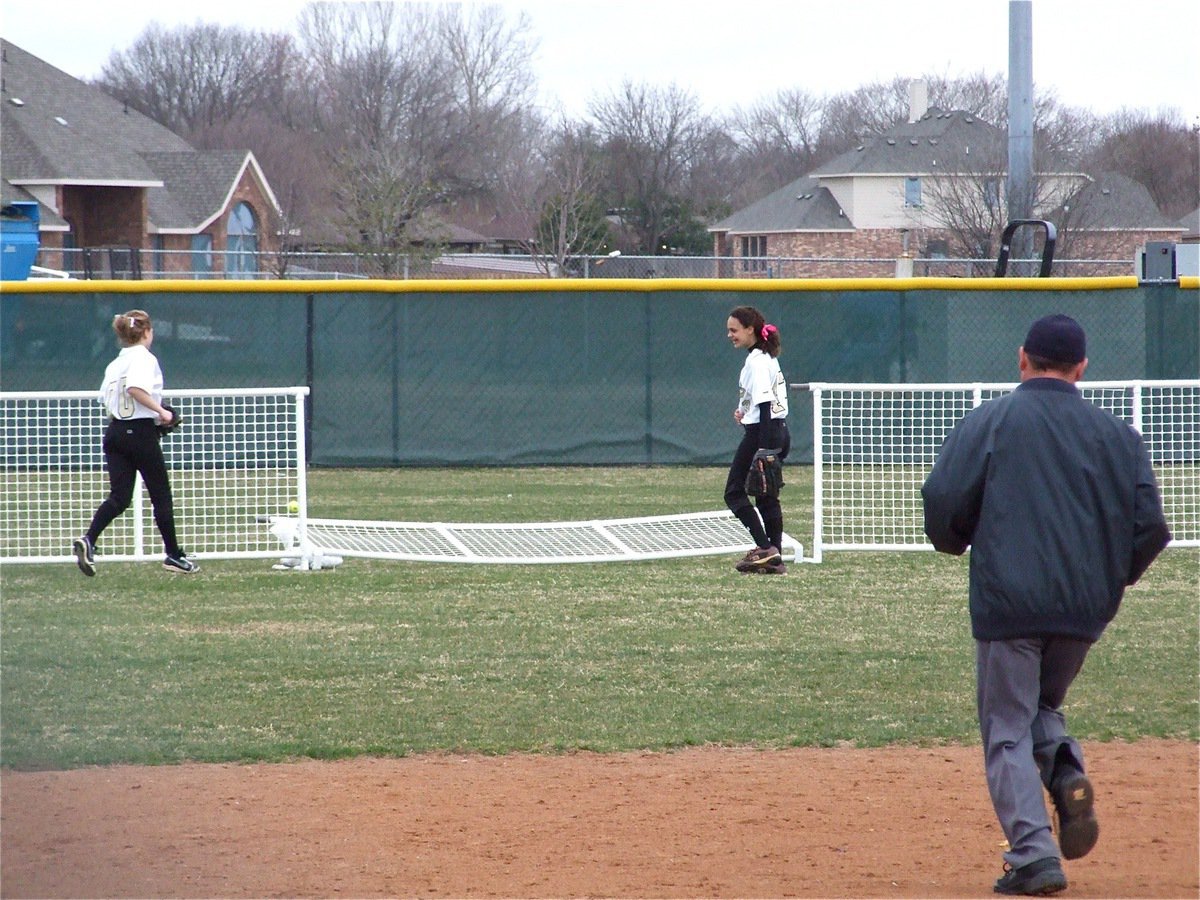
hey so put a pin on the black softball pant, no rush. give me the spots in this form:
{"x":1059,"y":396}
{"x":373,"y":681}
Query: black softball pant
{"x":767,"y":530}
{"x":131,"y":447}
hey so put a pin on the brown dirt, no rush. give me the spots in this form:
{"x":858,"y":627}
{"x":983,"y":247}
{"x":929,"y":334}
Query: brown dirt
{"x":897,"y":822}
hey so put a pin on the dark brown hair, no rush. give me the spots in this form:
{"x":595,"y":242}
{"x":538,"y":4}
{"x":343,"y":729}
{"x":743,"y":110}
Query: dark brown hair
{"x":767,"y":335}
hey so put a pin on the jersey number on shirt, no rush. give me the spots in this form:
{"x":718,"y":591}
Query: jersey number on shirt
{"x":126,"y":406}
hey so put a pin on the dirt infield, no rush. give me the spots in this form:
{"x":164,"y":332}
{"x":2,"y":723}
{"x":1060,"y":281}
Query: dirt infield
{"x":898,"y":822}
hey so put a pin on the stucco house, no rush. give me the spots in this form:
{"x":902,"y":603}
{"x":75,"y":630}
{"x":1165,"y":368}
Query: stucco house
{"x":109,"y":181}
{"x":929,"y":188}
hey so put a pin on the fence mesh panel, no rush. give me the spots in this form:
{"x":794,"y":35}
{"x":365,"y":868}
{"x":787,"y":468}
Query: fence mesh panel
{"x":875,"y":444}
{"x":238,"y":456}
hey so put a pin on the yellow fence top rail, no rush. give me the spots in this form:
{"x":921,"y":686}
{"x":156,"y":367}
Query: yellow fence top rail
{"x":524,"y":285}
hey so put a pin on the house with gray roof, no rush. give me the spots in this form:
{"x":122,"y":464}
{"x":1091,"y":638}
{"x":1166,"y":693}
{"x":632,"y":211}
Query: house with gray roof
{"x":106,"y":177}
{"x":1191,"y":224}
{"x":1112,"y":217}
{"x":930,"y":187}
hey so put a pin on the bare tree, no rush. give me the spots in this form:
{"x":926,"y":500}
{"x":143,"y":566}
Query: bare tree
{"x":778,"y":141}
{"x":194,"y":77}
{"x":848,"y":117}
{"x":428,"y":98}
{"x":572,"y":220}
{"x":376,"y":76}
{"x":1156,"y":149}
{"x":980,"y":94}
{"x":1064,"y":137}
{"x":518,"y":161}
{"x":490,"y":62}
{"x":966,"y":194}
{"x":490,"y":58}
{"x":390,"y":113}
{"x":651,"y":138}
{"x":495,"y":167}
{"x":381,"y":91}
{"x":379,"y":202}
{"x":715,"y":158}
{"x":967,"y":198}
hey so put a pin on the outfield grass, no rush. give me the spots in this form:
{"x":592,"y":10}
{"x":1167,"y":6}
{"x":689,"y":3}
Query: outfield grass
{"x":242,"y":662}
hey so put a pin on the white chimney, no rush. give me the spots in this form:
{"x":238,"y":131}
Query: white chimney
{"x":918,"y":99}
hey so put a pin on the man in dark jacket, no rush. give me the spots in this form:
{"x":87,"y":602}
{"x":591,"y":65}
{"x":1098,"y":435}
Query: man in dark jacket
{"x":1059,"y":504}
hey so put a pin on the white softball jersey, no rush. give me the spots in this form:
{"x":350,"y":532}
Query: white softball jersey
{"x":761,"y":381}
{"x":136,"y":367}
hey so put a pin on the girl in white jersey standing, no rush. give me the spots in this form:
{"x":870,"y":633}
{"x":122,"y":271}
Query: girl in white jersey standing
{"x":132,"y":391}
{"x":762,"y":412}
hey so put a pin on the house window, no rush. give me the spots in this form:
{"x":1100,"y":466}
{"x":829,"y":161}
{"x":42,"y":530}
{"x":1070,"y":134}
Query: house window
{"x":241,"y":246}
{"x":912,"y":191}
{"x":754,"y":247}
{"x":202,"y":254}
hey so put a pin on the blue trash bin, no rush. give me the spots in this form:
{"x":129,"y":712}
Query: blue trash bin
{"x":19,"y":241}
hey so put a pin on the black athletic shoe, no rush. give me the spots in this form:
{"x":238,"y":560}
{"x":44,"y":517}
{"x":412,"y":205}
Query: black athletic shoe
{"x":1045,"y":876}
{"x":85,"y":555}
{"x":758,"y":557}
{"x":180,"y":564}
{"x":1074,"y":799}
{"x":776,"y":568}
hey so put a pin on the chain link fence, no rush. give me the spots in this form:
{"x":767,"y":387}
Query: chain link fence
{"x":611,"y":373}
{"x":130,"y":263}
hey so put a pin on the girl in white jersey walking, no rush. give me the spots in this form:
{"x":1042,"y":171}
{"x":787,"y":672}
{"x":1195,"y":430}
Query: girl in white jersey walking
{"x":762,"y":412}
{"x":132,"y":391}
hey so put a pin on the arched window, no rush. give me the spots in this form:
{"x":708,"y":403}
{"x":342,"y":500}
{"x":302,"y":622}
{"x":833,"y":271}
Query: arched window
{"x":241,"y":246}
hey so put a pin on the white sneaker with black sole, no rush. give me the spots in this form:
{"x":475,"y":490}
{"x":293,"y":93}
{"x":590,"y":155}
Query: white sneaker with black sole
{"x":85,"y":555}
{"x":180,"y":564}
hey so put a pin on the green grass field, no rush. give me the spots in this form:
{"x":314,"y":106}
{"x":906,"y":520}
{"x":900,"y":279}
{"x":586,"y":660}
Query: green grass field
{"x":242,"y":662}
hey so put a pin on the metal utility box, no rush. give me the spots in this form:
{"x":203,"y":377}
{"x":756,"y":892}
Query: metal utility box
{"x":19,"y":240}
{"x":1158,"y":262}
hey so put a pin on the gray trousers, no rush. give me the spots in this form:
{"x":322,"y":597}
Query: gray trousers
{"x":1020,"y":685}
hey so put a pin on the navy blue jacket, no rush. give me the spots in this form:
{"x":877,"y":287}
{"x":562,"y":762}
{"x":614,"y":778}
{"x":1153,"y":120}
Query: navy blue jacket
{"x":1059,"y":504}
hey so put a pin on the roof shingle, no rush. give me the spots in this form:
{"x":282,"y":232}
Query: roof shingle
{"x":802,"y":205}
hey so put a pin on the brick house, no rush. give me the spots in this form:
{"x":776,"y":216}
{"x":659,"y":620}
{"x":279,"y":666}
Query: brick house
{"x":1112,"y":217}
{"x":929,"y":188}
{"x":109,"y":181}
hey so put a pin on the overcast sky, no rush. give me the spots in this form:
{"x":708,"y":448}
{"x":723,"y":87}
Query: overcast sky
{"x":1102,"y":55}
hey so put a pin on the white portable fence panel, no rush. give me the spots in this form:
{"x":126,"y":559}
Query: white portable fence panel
{"x":874,"y":445}
{"x":601,"y":540}
{"x":239,"y":455}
